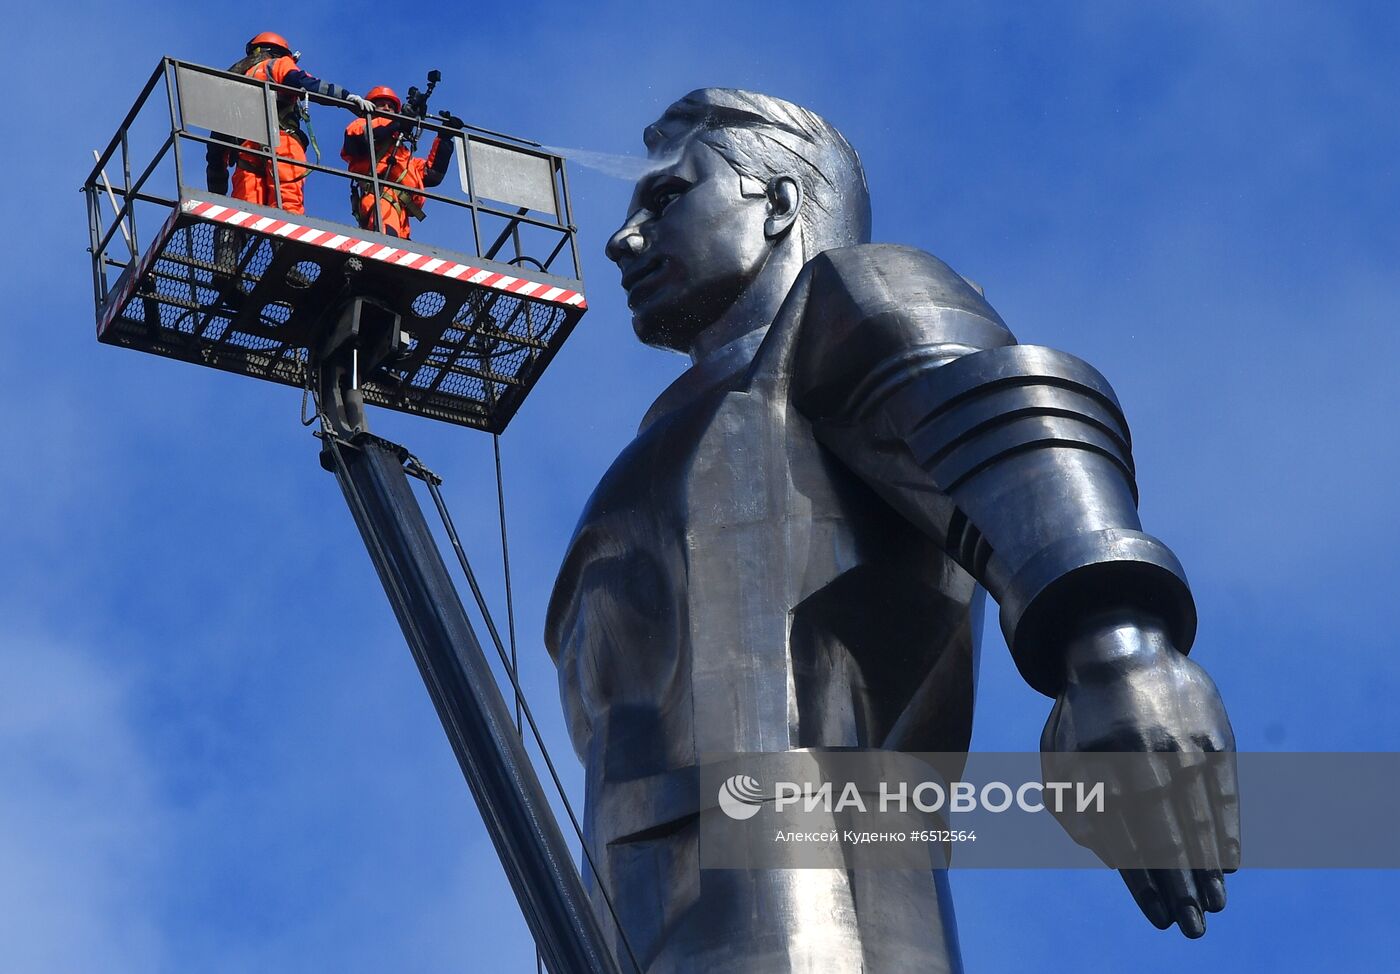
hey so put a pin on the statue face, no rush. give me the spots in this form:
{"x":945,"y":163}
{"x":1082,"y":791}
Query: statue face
{"x":691,"y":245}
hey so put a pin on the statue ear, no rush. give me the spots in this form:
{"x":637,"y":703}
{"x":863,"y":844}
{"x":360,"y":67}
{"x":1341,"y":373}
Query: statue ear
{"x":784,"y":203}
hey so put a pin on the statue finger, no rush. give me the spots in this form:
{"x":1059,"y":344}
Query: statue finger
{"x":1223,"y":783}
{"x":1178,"y":888}
{"x":1106,"y":835}
{"x":1195,"y":814}
{"x":1210,"y":884}
{"x":1144,"y":802}
{"x":1144,"y":892}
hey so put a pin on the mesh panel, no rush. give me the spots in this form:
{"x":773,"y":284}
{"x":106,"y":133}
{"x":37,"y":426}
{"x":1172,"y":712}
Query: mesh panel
{"x":249,"y":303}
{"x":428,"y":304}
{"x":303,"y":273}
{"x":276,"y":313}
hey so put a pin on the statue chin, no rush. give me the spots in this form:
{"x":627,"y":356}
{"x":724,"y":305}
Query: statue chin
{"x":672,"y":332}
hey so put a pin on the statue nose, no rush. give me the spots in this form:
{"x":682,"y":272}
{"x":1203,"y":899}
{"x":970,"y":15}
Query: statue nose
{"x":626,"y":242}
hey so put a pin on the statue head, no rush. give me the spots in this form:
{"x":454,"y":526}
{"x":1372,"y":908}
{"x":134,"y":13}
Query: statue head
{"x":745,"y":188}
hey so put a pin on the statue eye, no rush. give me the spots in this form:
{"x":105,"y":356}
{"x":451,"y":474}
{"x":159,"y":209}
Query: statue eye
{"x":664,"y":197}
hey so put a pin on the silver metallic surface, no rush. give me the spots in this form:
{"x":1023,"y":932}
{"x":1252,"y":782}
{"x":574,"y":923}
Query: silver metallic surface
{"x":239,"y":111}
{"x":511,"y":176}
{"x":791,"y":553}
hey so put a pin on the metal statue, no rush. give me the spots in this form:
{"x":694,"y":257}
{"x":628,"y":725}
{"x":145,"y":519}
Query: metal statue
{"x":792,"y":551}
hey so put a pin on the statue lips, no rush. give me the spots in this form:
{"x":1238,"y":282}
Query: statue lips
{"x":639,"y":278}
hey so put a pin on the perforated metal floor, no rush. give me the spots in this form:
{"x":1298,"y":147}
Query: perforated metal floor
{"x":242,"y":288}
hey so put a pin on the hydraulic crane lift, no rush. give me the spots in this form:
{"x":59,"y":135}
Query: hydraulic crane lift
{"x":248,"y":288}
{"x":354,"y":317}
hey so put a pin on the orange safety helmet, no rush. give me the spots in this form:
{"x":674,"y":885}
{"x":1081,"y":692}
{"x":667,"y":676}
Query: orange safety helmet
{"x":384,"y":91}
{"x":267,"y":39}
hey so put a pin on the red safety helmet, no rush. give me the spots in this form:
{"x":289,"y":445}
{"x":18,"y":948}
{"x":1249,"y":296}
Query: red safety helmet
{"x":267,"y":39}
{"x":384,"y":91}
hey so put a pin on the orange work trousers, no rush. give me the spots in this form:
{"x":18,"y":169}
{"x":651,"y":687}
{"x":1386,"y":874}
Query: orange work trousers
{"x":256,"y":186}
{"x":393,"y":218}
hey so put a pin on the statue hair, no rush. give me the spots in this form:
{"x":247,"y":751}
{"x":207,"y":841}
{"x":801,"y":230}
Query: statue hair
{"x":764,"y":137}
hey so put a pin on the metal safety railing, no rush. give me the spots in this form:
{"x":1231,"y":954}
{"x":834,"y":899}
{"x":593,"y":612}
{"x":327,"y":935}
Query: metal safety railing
{"x":514,"y":195}
{"x":240,"y":283}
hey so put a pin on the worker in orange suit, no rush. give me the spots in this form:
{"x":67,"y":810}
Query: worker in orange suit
{"x":393,"y":150}
{"x":269,"y":58}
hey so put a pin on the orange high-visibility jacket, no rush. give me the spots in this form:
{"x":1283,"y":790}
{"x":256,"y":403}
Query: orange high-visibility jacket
{"x":252,"y":178}
{"x":396,"y":164}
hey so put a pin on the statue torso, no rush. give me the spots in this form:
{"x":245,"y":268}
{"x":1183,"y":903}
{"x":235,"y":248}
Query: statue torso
{"x":732,"y":587}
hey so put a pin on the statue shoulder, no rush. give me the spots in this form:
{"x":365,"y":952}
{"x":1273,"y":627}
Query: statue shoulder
{"x":873,"y":304}
{"x":884,"y":273}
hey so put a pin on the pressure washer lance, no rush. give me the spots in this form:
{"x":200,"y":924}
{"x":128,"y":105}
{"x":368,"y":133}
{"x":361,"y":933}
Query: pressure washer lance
{"x":416,"y":104}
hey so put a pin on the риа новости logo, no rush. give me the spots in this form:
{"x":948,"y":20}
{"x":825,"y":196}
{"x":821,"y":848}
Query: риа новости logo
{"x":740,"y":797}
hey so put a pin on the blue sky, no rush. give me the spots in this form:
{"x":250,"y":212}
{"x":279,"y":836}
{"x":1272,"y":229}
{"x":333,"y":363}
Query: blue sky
{"x":215,"y":753}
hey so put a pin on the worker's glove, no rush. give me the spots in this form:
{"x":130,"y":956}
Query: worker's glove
{"x":452,"y":121}
{"x":360,"y":103}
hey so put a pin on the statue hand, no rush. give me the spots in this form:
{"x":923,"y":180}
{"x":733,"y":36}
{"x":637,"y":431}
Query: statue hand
{"x":1129,"y":690}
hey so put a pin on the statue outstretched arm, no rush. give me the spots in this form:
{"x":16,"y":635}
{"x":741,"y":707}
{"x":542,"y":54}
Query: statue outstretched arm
{"x":1018,"y":460}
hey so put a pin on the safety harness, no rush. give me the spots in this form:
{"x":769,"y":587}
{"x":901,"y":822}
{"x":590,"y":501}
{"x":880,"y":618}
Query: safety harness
{"x":401,"y":200}
{"x":291,"y":112}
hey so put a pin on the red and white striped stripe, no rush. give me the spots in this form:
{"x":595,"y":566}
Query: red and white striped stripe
{"x":380,"y":252}
{"x":119,"y":300}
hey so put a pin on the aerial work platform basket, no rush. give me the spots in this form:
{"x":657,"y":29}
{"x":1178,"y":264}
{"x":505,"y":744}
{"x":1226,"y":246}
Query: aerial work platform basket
{"x":466,"y":330}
